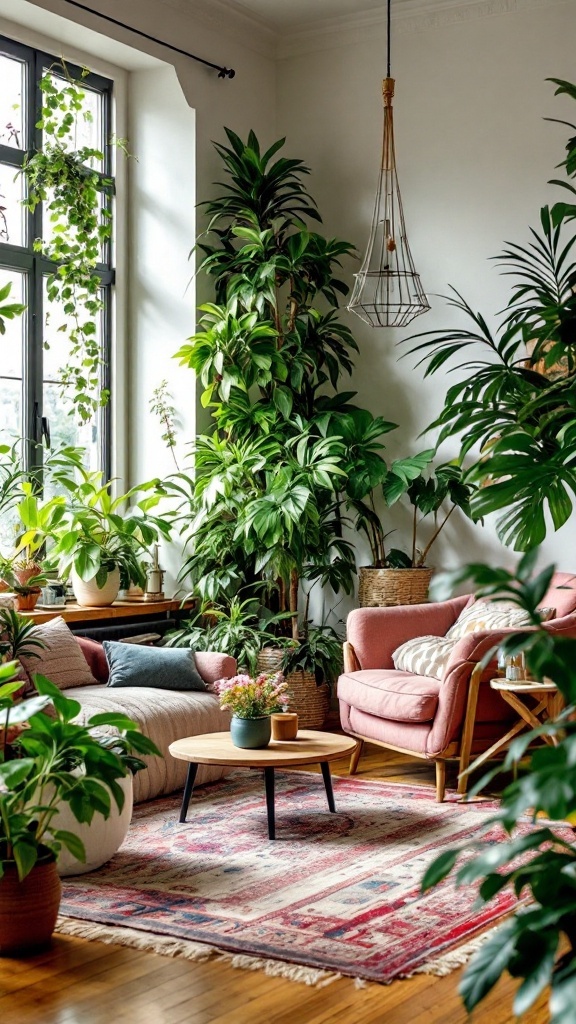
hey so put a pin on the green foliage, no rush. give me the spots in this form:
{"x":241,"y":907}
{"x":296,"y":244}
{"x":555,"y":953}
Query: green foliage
{"x":161,"y":406}
{"x":90,"y":530}
{"x":541,"y":864}
{"x":268,"y":499}
{"x":319,"y":651}
{"x":77,"y":204}
{"x":517,"y":404}
{"x":8,"y":310}
{"x":241,"y":629}
{"x":438,"y":494}
{"x":55,"y":761}
{"x":17,"y":637}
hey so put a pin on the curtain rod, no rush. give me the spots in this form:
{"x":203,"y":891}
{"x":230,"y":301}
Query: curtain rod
{"x":222,"y":72}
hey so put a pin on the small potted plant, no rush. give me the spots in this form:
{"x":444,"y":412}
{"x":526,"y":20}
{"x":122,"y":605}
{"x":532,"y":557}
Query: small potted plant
{"x":47,"y":763}
{"x":26,"y":593}
{"x":252,"y":700}
{"x":98,"y":539}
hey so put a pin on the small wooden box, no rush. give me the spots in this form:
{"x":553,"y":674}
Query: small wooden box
{"x":284,"y":726}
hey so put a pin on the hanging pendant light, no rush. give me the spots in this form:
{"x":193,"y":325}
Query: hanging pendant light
{"x":388,"y":291}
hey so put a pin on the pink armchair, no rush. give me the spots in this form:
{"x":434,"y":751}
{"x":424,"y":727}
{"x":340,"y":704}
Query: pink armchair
{"x":457,"y":717}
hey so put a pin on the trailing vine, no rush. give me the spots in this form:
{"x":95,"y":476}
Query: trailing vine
{"x":63,"y":177}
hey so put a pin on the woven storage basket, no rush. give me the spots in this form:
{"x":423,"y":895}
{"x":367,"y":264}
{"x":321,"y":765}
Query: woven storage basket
{"x":308,"y":700}
{"x":381,"y":588}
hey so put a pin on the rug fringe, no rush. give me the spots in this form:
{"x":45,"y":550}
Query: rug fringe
{"x":452,"y":959}
{"x":189,"y":950}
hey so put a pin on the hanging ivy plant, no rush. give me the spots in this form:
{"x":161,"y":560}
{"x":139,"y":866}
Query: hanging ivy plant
{"x":63,"y":176}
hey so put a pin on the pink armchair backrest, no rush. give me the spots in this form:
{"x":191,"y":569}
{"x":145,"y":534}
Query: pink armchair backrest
{"x":376,"y":632}
{"x":561,"y":594}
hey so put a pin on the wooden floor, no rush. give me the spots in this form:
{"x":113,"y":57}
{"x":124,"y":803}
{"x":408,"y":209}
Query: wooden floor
{"x":79,"y":982}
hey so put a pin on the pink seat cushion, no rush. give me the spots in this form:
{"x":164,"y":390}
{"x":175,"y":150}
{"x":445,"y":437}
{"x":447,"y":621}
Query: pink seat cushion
{"x":388,"y":693}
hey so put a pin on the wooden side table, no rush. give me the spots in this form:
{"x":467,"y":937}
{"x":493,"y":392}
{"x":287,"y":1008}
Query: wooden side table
{"x":549,"y":705}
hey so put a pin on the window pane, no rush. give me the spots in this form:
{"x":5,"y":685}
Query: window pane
{"x":11,"y":362}
{"x":12,"y":213}
{"x":11,"y":103}
{"x":64,"y":428}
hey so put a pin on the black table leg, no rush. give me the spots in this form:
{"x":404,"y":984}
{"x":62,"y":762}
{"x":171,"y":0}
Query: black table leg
{"x":190,"y":777}
{"x":269,"y":784}
{"x":328,"y":785}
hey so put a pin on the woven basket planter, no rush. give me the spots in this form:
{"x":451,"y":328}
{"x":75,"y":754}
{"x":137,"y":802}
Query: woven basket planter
{"x":309,"y":701}
{"x":382,"y":588}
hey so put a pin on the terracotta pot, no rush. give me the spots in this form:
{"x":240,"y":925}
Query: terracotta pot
{"x":28,"y":909}
{"x":90,"y":595}
{"x":27,"y":602}
{"x":23,"y":575}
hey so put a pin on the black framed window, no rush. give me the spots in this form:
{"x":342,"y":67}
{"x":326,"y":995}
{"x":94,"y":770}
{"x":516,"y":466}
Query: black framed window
{"x":32,"y":404}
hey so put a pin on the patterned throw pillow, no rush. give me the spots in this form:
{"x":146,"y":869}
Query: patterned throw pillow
{"x":486,"y":615}
{"x":424,"y":655}
{"x":62,"y":661}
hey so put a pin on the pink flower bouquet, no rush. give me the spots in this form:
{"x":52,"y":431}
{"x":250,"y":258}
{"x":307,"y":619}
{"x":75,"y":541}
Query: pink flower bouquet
{"x":246,"y":697}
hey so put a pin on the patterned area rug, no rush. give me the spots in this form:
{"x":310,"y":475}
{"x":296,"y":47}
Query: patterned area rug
{"x":336,"y":894}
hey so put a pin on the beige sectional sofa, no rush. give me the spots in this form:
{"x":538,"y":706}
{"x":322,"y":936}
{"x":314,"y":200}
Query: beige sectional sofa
{"x":163,"y":715}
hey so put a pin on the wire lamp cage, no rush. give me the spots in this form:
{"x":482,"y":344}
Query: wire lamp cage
{"x":388,"y":291}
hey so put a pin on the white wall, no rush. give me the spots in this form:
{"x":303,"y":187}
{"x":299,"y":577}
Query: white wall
{"x":474,"y":156}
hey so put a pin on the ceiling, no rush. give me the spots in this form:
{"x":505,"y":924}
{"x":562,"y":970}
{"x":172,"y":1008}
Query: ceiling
{"x":291,"y":14}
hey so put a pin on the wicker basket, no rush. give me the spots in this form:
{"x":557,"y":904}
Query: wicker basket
{"x":381,"y":588}
{"x":308,"y":700}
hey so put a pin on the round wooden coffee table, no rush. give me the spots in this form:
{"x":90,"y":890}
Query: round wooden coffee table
{"x":217,"y":748}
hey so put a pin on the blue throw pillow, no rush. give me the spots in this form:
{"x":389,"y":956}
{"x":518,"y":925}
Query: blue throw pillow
{"x":163,"y":668}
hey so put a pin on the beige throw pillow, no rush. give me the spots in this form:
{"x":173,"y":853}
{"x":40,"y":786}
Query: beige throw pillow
{"x":62,"y":661}
{"x":486,"y":615}
{"x":424,"y":655}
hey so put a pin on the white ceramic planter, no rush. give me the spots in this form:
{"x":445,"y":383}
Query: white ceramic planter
{"x":102,"y":838}
{"x":90,"y":595}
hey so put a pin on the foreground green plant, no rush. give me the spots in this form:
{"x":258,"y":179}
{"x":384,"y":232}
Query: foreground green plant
{"x":49,"y":761}
{"x":541,"y":864}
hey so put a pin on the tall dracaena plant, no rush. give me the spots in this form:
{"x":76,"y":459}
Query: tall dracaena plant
{"x":270,"y":480}
{"x":517,"y":404}
{"x":64,"y":176}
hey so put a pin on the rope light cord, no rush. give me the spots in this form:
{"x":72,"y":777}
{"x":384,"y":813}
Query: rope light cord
{"x":222,"y":71}
{"x":388,"y":35}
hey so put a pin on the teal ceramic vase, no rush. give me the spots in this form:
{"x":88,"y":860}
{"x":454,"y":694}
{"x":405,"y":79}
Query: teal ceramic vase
{"x":250,"y":733}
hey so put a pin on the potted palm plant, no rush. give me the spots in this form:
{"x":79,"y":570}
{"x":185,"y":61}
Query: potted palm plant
{"x":47,"y":762}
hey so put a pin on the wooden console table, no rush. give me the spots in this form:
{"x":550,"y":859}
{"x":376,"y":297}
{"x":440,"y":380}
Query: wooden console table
{"x":145,"y":611}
